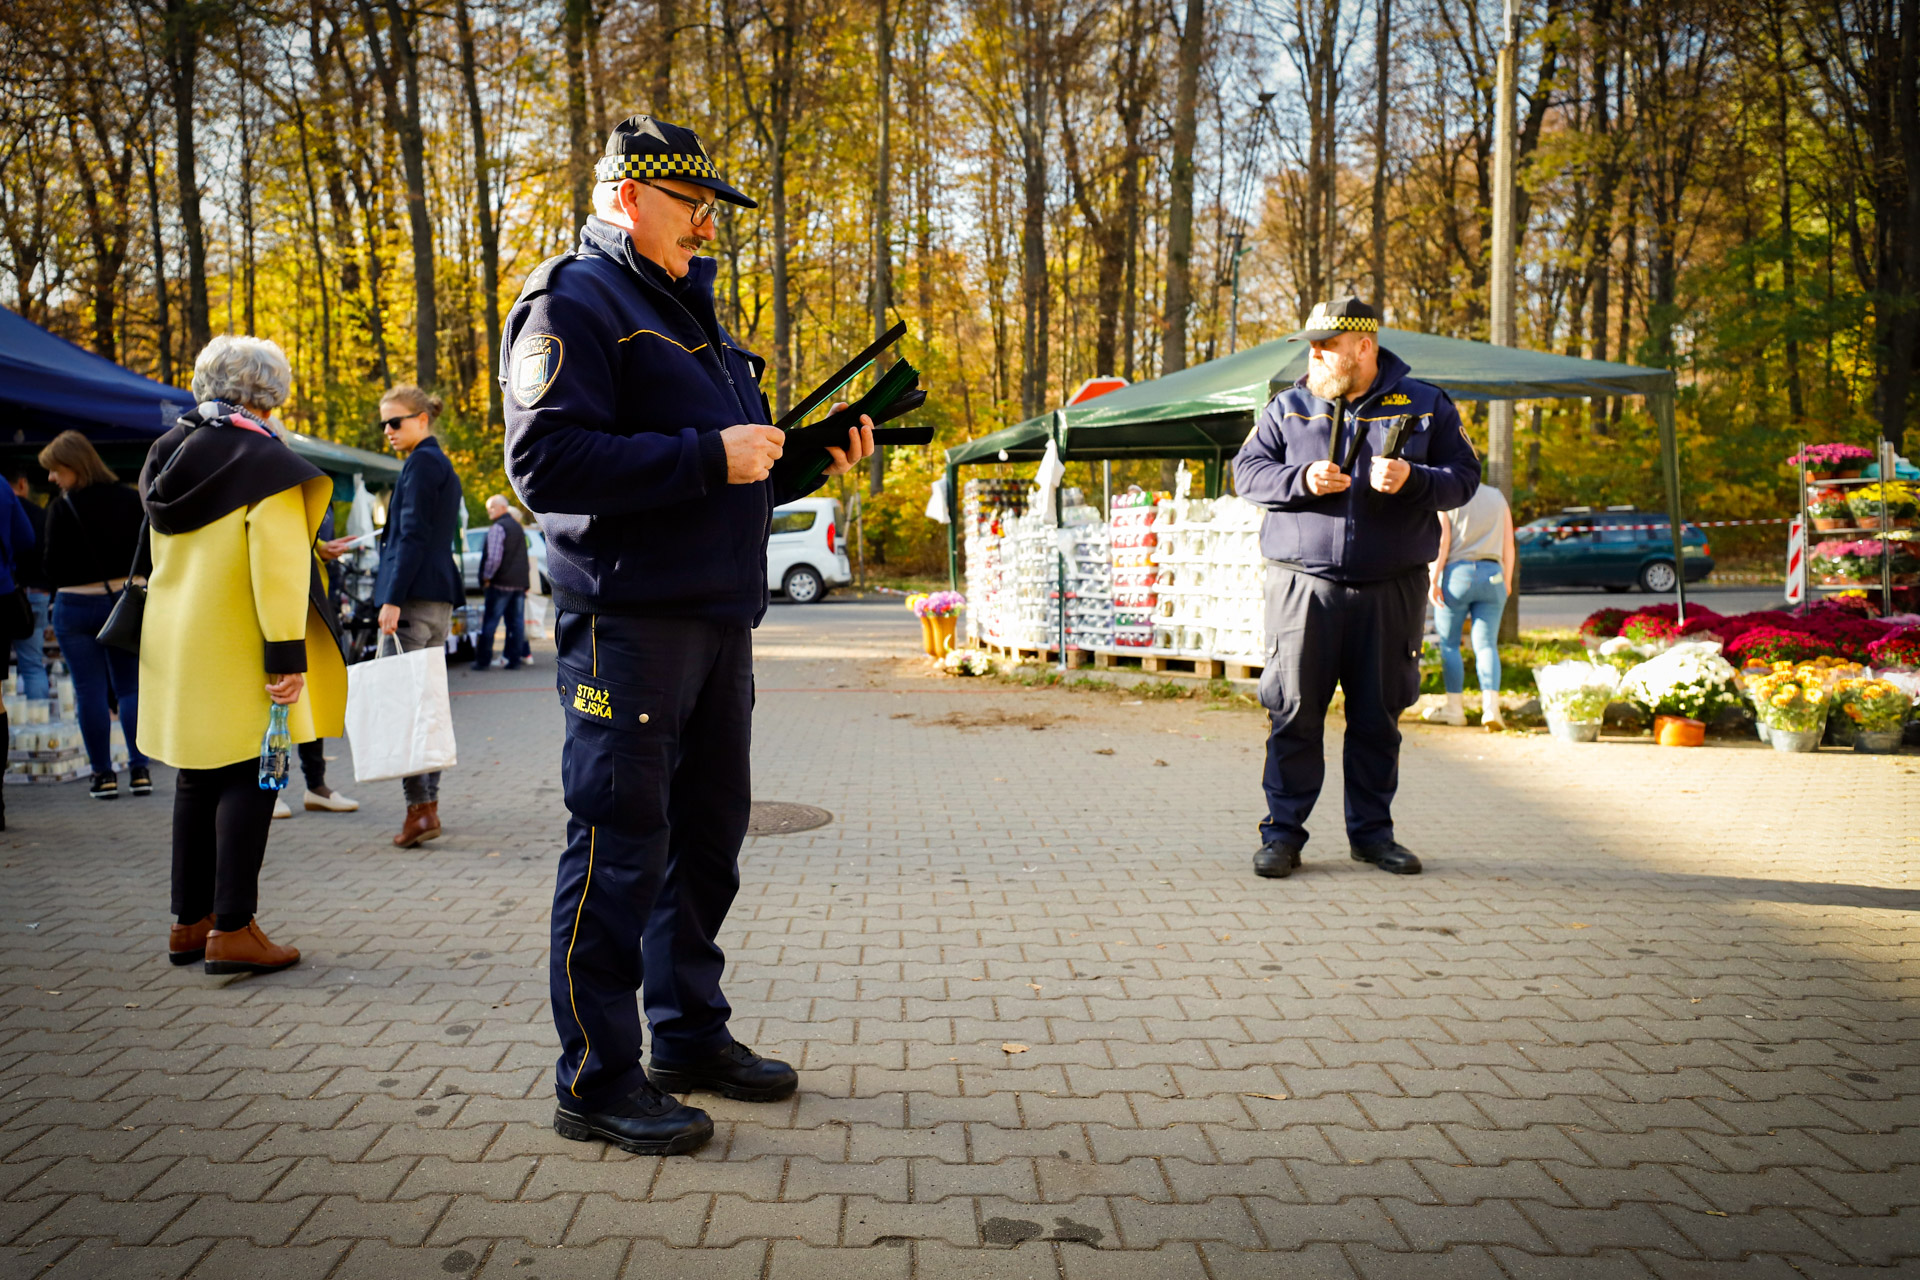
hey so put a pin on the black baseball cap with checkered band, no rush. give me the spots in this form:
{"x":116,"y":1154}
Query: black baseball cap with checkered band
{"x":1342,"y":315}
{"x":643,"y":147}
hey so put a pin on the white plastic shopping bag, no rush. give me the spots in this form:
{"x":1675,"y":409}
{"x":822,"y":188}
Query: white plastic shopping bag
{"x":398,"y":717}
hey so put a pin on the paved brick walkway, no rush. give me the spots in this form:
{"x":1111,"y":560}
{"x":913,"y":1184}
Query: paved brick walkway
{"x":1649,"y":1013}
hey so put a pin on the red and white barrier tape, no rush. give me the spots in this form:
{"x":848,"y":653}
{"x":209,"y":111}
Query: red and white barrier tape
{"x":1698,"y":524}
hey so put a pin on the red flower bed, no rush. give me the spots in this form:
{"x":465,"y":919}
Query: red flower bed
{"x":1772,"y":644}
{"x":1899,"y":649}
{"x":1603,"y":624}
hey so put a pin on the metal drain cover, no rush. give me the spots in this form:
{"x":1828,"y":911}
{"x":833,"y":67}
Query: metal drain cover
{"x":780,"y":818}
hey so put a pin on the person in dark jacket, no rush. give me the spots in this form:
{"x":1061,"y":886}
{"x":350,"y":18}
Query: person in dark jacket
{"x":637,"y":428}
{"x":418,"y":582}
{"x":1353,"y":463}
{"x":93,"y":528}
{"x":30,"y":651}
{"x":505,"y":576}
{"x":17,"y":547}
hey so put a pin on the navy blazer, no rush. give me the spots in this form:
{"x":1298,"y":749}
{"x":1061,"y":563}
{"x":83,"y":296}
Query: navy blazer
{"x":423,"y":521}
{"x":1360,"y":535}
{"x":619,"y":380}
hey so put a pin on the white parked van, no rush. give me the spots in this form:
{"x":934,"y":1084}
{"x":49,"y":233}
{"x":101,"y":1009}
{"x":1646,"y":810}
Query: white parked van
{"x":805,"y":555}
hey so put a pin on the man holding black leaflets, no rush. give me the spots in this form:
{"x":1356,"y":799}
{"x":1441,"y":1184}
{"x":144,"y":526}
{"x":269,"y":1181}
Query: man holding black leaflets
{"x":1353,"y":463}
{"x":637,"y":428}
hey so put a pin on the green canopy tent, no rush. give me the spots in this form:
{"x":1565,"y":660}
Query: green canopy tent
{"x":1206,"y":412}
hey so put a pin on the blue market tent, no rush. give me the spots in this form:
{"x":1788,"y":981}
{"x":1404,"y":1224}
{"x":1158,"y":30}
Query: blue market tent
{"x":48,"y":385}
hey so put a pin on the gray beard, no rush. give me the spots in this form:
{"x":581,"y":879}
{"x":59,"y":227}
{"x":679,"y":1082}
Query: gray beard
{"x":1327,"y":384}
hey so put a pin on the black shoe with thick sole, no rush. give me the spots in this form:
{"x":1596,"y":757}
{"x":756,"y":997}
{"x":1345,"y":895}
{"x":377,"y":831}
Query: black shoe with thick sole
{"x":1391,"y":856}
{"x":646,"y":1124}
{"x":140,"y":782}
{"x":1276,"y":861}
{"x":735,"y":1072}
{"x":105,"y":787}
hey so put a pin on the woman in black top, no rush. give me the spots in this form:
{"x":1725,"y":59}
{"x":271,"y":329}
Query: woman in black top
{"x":92,"y":530}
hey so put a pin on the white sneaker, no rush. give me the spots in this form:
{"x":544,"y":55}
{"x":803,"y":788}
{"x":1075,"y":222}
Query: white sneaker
{"x":335,"y":803}
{"x":280,"y":809}
{"x":1449,"y":712}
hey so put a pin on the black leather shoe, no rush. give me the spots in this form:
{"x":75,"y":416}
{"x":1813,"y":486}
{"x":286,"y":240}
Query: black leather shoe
{"x":1276,"y":861}
{"x":648,"y":1123}
{"x":735,"y":1072}
{"x":1391,"y":856}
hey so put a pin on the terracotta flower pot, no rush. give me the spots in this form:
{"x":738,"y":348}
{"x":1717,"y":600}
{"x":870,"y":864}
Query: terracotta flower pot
{"x":1822,"y":475}
{"x":1826,"y":524}
{"x":1679,"y":731}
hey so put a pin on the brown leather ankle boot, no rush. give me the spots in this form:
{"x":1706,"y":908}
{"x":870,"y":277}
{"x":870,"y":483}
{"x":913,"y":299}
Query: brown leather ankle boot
{"x":421,"y":825}
{"x":188,"y":942}
{"x":433,"y":816}
{"x":247,"y":951}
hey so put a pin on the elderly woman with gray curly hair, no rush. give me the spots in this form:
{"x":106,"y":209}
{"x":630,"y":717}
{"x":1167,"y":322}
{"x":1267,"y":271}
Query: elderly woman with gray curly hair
{"x":236,"y":621}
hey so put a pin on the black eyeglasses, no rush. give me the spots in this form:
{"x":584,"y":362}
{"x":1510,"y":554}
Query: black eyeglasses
{"x":702,"y":209}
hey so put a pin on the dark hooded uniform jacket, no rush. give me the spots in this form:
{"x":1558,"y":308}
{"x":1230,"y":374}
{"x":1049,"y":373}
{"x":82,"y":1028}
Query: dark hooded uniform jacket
{"x":619,"y":380}
{"x":1360,"y":535}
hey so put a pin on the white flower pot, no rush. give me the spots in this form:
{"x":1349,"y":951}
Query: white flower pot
{"x":1567,"y":731}
{"x":1795,"y":739}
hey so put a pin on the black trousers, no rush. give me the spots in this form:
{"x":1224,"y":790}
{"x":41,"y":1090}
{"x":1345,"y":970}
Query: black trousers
{"x":220,"y":822}
{"x":1365,"y":637}
{"x":659,"y":718}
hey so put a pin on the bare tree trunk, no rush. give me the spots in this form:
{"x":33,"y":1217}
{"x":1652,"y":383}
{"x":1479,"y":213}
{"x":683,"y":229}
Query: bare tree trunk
{"x":880,"y":294}
{"x":1186,"y":100}
{"x":1035,"y":294}
{"x":597,"y":79}
{"x":163,"y":314}
{"x":483,"y":208}
{"x":665,"y":18}
{"x":180,"y":28}
{"x":398,"y":71}
{"x":298,"y":106}
{"x":579,"y":149}
{"x":1600,"y":256}
{"x":243,"y":105}
{"x":1382,"y":48}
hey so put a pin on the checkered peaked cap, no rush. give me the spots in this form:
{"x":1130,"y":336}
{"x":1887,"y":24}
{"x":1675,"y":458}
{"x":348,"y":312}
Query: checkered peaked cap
{"x":642,"y":147}
{"x":1342,"y":315}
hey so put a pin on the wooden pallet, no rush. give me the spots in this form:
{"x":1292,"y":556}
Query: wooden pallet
{"x":1046,"y":654}
{"x":1158,"y":663}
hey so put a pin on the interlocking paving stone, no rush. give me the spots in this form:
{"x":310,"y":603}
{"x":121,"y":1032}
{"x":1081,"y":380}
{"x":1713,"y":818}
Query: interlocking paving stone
{"x":1645,"y":1015}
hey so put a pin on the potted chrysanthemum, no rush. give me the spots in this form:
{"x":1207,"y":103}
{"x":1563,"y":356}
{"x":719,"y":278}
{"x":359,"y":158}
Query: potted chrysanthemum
{"x":1794,"y":709}
{"x":1877,"y":711}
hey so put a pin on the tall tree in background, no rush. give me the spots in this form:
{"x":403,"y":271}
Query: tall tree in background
{"x":180,"y":45}
{"x":483,"y":209}
{"x":1186,"y":100}
{"x":1382,"y":50}
{"x":1869,"y":74}
{"x":1034,"y":37}
{"x":880,"y":287}
{"x":397,"y":65}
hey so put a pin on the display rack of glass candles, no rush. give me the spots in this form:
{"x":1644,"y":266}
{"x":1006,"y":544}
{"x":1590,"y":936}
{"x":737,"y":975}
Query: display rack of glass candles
{"x":988,"y":508}
{"x":1084,"y":541}
{"x":1180,"y":626}
{"x":1034,"y":624}
{"x":44,"y":743}
{"x":1132,"y":538}
{"x":1235,"y":582}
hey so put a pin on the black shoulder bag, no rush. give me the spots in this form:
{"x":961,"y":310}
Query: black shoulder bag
{"x":122,"y":627}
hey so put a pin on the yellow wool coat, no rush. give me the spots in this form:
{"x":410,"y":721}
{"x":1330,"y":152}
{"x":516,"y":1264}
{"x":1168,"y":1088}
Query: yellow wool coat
{"x":217,"y":595}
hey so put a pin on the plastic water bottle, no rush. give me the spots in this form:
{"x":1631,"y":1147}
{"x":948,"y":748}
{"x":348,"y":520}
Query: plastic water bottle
{"x":276,"y":751}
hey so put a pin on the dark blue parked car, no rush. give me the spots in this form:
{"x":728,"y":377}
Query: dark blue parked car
{"x":1615,"y":549}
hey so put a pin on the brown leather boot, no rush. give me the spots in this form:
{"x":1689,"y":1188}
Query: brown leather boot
{"x":247,"y":951}
{"x":421,"y":825}
{"x":188,"y":942}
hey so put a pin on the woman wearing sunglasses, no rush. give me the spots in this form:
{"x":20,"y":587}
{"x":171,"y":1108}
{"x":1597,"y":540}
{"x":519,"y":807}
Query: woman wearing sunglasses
{"x":418,"y":583}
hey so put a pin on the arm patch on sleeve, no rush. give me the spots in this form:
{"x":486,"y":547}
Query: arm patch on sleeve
{"x":536,"y":363}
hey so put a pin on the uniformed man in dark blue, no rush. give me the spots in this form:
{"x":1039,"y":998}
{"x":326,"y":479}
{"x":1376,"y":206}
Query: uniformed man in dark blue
{"x":636,"y":427}
{"x":1354,"y":463}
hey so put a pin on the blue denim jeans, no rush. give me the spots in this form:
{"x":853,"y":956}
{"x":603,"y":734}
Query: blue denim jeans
{"x":30,"y":654}
{"x":97,"y":671}
{"x":1476,"y":590}
{"x":510,"y":605}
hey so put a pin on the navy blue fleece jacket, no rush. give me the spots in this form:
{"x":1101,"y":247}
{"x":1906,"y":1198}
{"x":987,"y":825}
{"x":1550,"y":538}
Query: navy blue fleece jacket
{"x":1361,"y":535}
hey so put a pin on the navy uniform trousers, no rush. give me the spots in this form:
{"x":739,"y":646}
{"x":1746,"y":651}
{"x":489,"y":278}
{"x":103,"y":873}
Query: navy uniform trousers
{"x":1365,"y":637}
{"x":659,"y":717}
